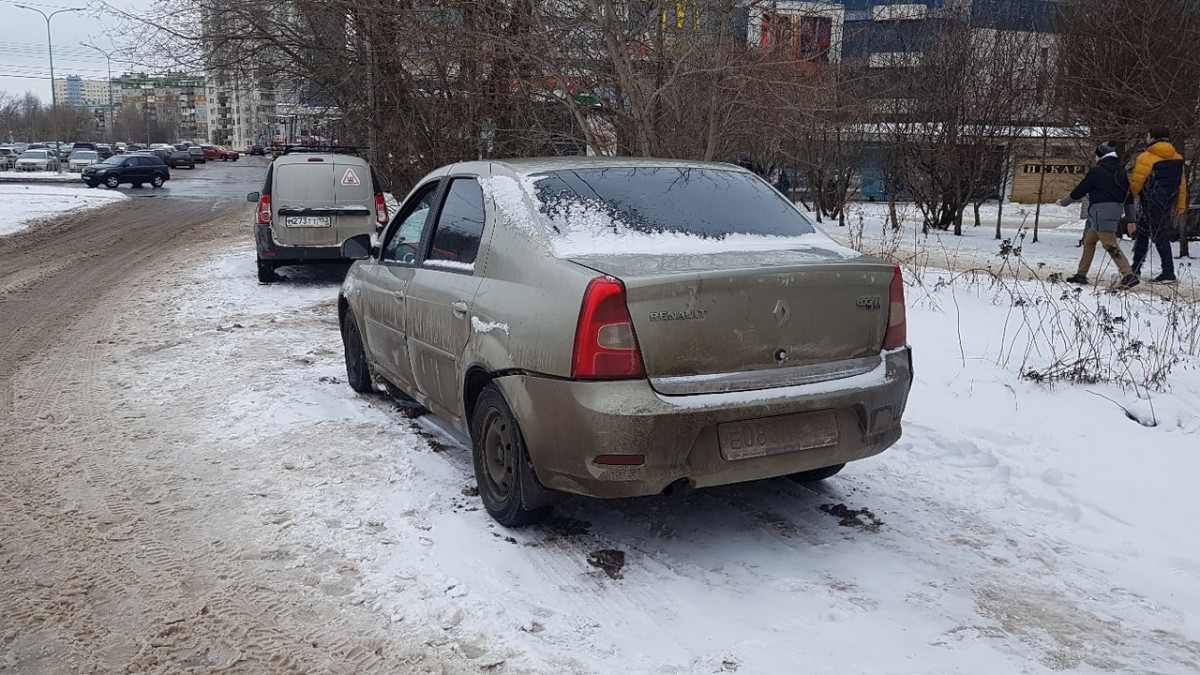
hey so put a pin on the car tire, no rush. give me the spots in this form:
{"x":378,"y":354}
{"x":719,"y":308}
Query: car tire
{"x":266,"y":272}
{"x":112,"y":182}
{"x":157,"y":180}
{"x":505,"y":476}
{"x":817,"y":474}
{"x":358,"y":373}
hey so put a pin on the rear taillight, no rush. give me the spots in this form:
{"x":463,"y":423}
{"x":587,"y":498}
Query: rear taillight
{"x":264,"y":210}
{"x":897,"y":330}
{"x":605,"y":346}
{"x":381,"y":214}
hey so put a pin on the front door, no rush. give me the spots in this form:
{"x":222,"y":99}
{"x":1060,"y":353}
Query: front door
{"x":385,"y":285}
{"x":441,"y":294}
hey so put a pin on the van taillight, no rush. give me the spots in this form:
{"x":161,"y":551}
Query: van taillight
{"x":605,"y":345}
{"x":897,"y":330}
{"x":264,"y":210}
{"x":381,"y":212}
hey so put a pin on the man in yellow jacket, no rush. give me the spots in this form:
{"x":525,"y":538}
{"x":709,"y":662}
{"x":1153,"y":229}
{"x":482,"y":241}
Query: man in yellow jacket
{"x":1159,"y":184}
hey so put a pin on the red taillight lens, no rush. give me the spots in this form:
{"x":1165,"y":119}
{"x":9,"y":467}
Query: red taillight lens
{"x":264,"y":210}
{"x":897,"y":330}
{"x":605,"y":346}
{"x":381,"y":214}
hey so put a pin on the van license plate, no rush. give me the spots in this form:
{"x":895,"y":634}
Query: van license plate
{"x":777,"y":435}
{"x":307,"y":221}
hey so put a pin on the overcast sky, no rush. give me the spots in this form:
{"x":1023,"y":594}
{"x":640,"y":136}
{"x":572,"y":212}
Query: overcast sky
{"x":24,"y":64}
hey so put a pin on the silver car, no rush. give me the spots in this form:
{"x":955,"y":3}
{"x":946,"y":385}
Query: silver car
{"x":37,"y":160}
{"x":81,"y":159}
{"x":312,"y":200}
{"x":625,"y":327}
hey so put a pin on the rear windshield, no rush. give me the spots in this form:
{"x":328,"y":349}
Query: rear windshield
{"x":35,"y":154}
{"x":703,"y":203}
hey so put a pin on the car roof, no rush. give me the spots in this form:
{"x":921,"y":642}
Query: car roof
{"x":303,"y":158}
{"x":533,"y":165}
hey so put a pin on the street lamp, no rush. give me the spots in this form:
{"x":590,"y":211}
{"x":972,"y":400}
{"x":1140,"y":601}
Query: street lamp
{"x":108,"y":122}
{"x":53,"y":92}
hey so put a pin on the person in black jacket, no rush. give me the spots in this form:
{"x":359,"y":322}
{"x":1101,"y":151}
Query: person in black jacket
{"x":1107,"y":189}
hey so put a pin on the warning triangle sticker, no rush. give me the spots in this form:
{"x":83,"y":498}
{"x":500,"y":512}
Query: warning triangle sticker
{"x":350,"y":178}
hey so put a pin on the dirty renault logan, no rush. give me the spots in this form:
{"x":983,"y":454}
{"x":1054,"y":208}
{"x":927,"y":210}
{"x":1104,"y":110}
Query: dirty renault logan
{"x":619,"y":327}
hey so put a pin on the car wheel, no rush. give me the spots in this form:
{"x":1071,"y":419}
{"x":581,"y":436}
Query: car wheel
{"x":816,"y":474}
{"x":266,"y":272}
{"x":358,"y":373}
{"x":157,"y":181}
{"x":503,"y":472}
{"x":112,"y":182}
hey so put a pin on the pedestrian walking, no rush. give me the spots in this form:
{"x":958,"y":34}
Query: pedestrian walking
{"x":1159,"y":183}
{"x":1107,"y":188}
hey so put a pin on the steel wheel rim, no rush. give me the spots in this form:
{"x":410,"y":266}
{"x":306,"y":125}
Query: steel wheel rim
{"x":498,"y":454}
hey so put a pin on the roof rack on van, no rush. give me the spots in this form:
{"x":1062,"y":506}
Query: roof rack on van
{"x":336,"y":149}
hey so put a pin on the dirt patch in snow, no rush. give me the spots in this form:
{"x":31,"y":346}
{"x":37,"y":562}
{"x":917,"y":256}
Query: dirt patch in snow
{"x":860,"y":519}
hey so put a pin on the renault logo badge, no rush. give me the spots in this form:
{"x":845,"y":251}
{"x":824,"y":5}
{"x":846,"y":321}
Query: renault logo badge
{"x":782,"y":312}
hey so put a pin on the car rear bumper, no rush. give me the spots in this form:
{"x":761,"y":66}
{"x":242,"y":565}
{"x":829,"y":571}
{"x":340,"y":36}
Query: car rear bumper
{"x":568,"y":423}
{"x":270,"y":250}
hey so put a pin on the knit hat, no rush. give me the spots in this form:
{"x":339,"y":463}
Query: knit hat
{"x":1105,"y":148}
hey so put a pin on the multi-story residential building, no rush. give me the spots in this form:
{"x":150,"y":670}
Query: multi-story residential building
{"x":243,"y":110}
{"x":177,"y":104}
{"x":77,"y":92}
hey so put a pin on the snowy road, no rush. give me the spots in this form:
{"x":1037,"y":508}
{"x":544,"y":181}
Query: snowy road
{"x":188,"y":484}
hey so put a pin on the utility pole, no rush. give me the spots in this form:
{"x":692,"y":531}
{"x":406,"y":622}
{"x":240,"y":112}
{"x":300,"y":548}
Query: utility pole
{"x":53,"y":89}
{"x":108,"y":121}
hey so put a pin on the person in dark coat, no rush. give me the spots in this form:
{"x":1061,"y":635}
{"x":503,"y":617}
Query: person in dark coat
{"x":1158,"y":181}
{"x":1107,"y":188}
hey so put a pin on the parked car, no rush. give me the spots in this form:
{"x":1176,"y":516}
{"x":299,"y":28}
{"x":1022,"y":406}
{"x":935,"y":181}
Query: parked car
{"x":311,"y":201}
{"x":624,"y":327}
{"x":8,"y":157}
{"x":215,"y":152}
{"x":83,"y":146}
{"x":134,"y":168}
{"x":134,"y":147}
{"x":257,"y":150}
{"x":82,"y":158}
{"x":38,"y":159}
{"x":197,"y":153}
{"x":181,"y":159}
{"x":104,"y":150}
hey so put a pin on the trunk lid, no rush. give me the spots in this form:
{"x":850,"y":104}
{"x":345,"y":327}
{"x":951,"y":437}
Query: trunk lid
{"x":790,"y":311}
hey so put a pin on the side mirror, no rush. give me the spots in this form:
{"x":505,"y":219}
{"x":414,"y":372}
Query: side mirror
{"x":252,"y":197}
{"x":357,"y":247}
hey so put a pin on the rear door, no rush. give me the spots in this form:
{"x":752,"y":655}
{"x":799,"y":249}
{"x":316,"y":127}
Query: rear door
{"x":442,"y":292}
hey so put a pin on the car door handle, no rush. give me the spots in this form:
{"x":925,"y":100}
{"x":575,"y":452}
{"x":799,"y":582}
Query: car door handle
{"x":460,"y":308}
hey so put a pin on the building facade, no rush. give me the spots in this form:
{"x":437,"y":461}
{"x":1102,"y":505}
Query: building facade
{"x":77,"y":92}
{"x":176,"y":106}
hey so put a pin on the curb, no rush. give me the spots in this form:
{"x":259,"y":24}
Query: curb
{"x":43,"y":181}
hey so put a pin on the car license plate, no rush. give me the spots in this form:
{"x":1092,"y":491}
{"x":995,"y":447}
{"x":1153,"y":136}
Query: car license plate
{"x":777,"y":435}
{"x":307,"y":221}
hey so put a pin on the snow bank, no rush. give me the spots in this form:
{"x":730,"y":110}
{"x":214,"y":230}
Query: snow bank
{"x":26,"y":202}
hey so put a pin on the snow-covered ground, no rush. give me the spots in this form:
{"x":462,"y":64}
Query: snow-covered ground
{"x":1056,"y":251}
{"x":42,"y":176}
{"x":22,"y":203}
{"x":1015,"y":527}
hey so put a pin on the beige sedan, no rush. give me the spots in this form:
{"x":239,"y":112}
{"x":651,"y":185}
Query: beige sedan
{"x":623,"y":327}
